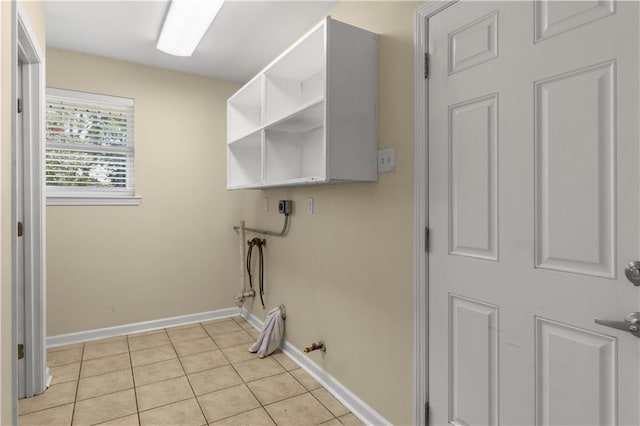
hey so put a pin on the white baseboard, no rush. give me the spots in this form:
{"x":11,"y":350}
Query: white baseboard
{"x":119,"y":330}
{"x":357,"y":406}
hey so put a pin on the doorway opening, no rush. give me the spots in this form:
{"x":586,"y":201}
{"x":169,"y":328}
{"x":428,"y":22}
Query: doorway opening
{"x":30,"y":375}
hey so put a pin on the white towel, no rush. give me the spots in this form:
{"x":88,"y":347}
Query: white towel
{"x":270,"y":335}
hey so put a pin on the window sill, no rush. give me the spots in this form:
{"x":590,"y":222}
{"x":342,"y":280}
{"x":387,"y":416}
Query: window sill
{"x":97,"y":200}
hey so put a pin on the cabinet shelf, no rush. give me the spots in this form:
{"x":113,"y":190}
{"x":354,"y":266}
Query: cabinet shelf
{"x":252,"y":138}
{"x":310,"y":116}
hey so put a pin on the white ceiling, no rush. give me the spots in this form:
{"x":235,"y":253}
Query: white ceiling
{"x":243,"y":39}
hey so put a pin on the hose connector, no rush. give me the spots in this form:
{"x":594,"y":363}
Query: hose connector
{"x":319,"y":346}
{"x":239,"y":298}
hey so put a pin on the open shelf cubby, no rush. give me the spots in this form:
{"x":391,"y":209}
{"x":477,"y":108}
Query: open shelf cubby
{"x":244,"y":161}
{"x":244,"y":110}
{"x":310,"y":116}
{"x":297,"y":79}
{"x":294,"y":155}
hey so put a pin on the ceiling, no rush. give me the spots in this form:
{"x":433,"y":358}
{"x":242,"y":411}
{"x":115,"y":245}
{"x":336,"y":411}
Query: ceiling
{"x":243,"y":39}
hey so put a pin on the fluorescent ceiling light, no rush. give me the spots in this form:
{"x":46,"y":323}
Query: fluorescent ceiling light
{"x":185,"y":25}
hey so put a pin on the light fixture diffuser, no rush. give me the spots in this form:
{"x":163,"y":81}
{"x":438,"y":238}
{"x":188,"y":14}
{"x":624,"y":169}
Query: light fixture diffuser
{"x":185,"y":25}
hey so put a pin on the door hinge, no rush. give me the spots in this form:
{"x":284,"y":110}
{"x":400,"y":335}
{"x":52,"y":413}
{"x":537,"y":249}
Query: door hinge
{"x":426,"y":65}
{"x":426,"y":413}
{"x":20,"y":351}
{"x":426,"y":239}
{"x":19,"y":105}
{"x":20,"y":229}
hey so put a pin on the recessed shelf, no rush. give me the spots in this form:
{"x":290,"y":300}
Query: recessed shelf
{"x":310,"y":116}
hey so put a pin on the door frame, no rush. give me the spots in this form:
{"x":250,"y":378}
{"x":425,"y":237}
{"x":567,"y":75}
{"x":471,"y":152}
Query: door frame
{"x":26,"y":47}
{"x":421,"y":207}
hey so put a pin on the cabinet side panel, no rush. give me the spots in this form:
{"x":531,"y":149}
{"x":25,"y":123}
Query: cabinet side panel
{"x":352,"y":97}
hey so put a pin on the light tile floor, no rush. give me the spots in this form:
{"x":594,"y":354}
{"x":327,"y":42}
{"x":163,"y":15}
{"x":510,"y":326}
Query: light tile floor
{"x":197,"y":374}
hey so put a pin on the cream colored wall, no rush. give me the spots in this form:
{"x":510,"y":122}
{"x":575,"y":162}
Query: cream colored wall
{"x":35,"y":12}
{"x":176,"y":253}
{"x":35,"y":16}
{"x":345,"y":273}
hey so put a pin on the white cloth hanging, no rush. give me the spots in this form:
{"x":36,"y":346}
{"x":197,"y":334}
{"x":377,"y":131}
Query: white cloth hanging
{"x":270,"y":335}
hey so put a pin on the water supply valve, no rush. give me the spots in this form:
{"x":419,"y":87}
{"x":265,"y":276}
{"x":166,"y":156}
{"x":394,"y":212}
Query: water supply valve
{"x":319,"y":346}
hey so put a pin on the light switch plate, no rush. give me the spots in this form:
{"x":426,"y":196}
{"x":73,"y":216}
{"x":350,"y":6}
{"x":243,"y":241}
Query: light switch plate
{"x":386,"y":160}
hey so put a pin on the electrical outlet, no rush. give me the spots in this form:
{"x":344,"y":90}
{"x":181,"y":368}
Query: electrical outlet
{"x":285,"y":207}
{"x":309,"y":205}
{"x":386,"y":160}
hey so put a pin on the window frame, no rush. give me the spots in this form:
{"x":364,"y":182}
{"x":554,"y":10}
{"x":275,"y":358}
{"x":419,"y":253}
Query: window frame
{"x":66,"y":196}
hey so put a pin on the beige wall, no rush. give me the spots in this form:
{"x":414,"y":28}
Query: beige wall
{"x":35,"y":16}
{"x":345,"y":273}
{"x":35,"y":12}
{"x":170,"y":256}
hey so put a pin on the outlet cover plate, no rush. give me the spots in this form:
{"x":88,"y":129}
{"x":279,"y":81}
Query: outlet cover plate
{"x":386,"y":160}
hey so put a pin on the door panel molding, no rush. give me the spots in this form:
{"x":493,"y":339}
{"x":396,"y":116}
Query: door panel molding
{"x":576,"y":235}
{"x":474,"y":43}
{"x":582,"y":357}
{"x":546,"y":26}
{"x":473,"y":178}
{"x":473,"y":387}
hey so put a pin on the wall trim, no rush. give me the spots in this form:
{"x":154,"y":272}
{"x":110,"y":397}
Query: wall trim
{"x":421,"y":208}
{"x":138,"y":327}
{"x":28,"y":286}
{"x":60,"y":200}
{"x":358,"y":407}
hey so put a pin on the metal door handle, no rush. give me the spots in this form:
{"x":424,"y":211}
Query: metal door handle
{"x":632,"y":272}
{"x":631,"y":323}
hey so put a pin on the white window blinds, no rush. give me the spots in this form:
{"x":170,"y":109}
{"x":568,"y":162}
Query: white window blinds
{"x":89,"y":144}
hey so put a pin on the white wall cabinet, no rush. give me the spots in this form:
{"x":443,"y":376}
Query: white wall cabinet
{"x":309,"y":117}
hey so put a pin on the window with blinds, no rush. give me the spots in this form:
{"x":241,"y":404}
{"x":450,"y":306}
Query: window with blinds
{"x":89,"y":144}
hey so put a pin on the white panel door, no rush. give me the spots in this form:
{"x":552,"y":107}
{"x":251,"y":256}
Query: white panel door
{"x":533,"y":212}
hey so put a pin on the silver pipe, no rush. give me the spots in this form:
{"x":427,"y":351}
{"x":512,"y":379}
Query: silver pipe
{"x":273,"y":234}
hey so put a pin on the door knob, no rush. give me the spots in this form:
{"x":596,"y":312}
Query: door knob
{"x":631,"y":323}
{"x":632,"y":272}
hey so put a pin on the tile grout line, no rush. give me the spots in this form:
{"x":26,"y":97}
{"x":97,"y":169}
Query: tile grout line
{"x":126,"y":337}
{"x":171,"y":378}
{"x":62,"y":404}
{"x":133,"y":378}
{"x":75,"y":398}
{"x":186,"y":375}
{"x":316,"y":398}
{"x":173,"y":345}
{"x":306,"y":391}
{"x":243,"y":382}
{"x":250,"y":390}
